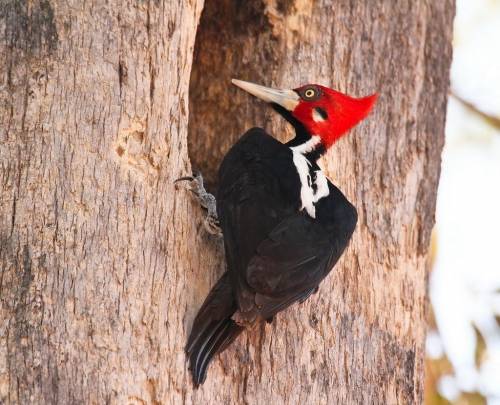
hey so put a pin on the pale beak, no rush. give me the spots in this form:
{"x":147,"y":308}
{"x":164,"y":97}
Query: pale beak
{"x":288,"y":99}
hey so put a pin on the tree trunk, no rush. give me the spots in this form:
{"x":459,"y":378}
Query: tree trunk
{"x":104,"y":263}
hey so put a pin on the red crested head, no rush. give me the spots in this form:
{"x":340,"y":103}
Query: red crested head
{"x":315,"y":110}
{"x":329,"y":113}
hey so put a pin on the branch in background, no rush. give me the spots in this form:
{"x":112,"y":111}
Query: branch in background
{"x":493,"y":120}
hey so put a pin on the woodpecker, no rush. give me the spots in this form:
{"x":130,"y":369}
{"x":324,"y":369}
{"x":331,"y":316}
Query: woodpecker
{"x":284,"y":223}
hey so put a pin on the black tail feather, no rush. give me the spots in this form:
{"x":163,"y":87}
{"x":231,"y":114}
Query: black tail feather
{"x":213,"y":329}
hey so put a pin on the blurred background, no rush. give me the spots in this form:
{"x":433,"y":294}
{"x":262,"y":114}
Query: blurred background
{"x":463,"y":343}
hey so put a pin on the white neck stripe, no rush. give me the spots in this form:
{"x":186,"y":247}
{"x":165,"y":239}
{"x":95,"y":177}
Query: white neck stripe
{"x":307,"y":194}
{"x":308,"y":146}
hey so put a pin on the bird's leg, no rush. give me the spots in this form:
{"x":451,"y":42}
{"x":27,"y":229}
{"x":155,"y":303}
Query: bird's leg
{"x":206,"y":200}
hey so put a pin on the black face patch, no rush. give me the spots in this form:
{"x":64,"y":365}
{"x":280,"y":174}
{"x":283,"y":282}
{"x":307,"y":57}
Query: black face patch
{"x":300,"y":130}
{"x":322,"y":113}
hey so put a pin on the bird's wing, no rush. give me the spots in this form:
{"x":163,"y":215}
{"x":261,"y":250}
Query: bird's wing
{"x":258,"y":188}
{"x":276,"y":254}
{"x":292,"y":261}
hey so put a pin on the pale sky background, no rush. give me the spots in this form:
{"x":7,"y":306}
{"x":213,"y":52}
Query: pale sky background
{"x":465,"y":283}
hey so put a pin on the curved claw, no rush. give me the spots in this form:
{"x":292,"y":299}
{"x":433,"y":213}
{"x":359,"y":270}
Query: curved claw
{"x":205,"y":199}
{"x":196,"y":174}
{"x":185,"y":178}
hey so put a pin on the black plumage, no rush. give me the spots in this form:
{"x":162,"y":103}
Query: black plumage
{"x":277,"y":254}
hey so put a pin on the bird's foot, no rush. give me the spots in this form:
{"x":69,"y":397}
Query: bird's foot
{"x":206,"y":200}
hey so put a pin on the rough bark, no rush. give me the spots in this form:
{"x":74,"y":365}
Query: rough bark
{"x":104,"y":264}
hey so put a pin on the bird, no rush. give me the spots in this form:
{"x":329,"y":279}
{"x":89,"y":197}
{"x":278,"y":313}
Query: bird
{"x":283,"y":222}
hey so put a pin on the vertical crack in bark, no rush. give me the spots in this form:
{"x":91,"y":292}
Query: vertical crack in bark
{"x":152,"y":75}
{"x":122,"y":75}
{"x":13,"y":216}
{"x":21,"y":329}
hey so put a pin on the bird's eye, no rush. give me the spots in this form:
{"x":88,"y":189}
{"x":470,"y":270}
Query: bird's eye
{"x":309,"y":93}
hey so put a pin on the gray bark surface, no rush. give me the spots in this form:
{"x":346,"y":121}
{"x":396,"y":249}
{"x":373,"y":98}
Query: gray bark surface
{"x":104,"y":263}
